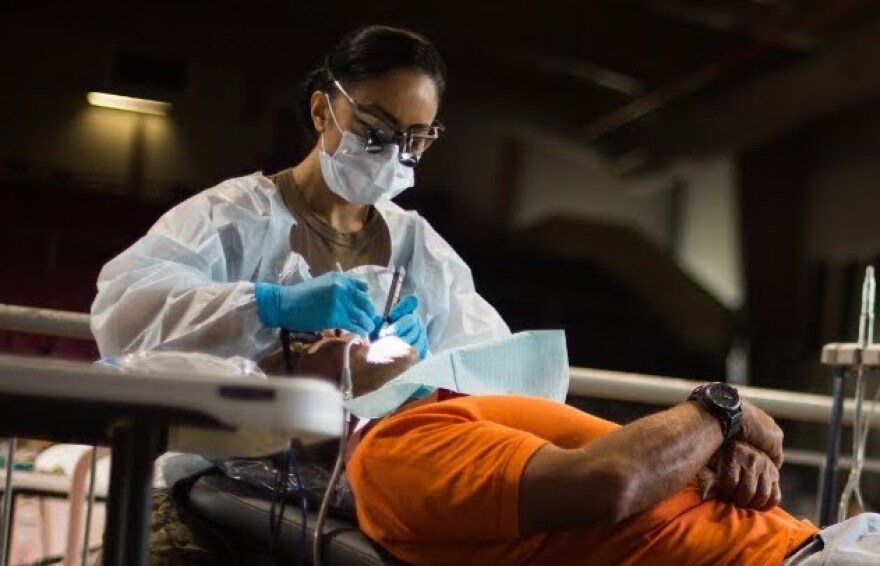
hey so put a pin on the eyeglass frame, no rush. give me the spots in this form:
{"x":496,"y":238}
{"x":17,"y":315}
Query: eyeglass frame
{"x":403,"y":139}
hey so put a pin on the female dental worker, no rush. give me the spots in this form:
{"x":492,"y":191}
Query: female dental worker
{"x":312,"y":247}
{"x":223,"y":271}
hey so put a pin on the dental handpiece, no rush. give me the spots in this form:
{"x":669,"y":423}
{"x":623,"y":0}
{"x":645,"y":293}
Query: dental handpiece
{"x":866,"y":316}
{"x":393,"y":293}
{"x":872,"y":293}
{"x":860,"y":421}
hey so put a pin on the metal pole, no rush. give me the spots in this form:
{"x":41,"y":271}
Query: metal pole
{"x":49,"y":322}
{"x":90,"y":503}
{"x":655,"y":390}
{"x":829,"y":473}
{"x":7,"y":504}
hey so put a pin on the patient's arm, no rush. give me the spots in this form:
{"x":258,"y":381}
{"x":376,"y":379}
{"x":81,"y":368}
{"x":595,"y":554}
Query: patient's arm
{"x":629,"y":470}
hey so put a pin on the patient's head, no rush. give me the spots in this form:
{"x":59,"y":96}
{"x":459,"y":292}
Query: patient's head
{"x":372,"y":365}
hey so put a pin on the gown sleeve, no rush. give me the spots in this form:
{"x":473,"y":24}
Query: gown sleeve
{"x":187,"y":284}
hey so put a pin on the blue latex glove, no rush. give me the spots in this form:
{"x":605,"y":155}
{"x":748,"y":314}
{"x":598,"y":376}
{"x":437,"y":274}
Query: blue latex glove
{"x":407,"y":325}
{"x":332,"y":300}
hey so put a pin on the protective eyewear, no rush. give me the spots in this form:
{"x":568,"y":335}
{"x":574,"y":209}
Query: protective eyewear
{"x":413,"y":142}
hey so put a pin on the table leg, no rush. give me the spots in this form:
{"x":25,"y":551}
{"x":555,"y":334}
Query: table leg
{"x":829,"y":472}
{"x":8,"y":503}
{"x":90,"y":505}
{"x":134,"y":448}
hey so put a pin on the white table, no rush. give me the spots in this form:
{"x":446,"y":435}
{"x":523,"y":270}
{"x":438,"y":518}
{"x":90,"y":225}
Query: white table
{"x":134,"y":413}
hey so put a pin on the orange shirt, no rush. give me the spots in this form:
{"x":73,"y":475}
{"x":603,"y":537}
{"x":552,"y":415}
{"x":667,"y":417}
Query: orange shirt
{"x":439,"y":484}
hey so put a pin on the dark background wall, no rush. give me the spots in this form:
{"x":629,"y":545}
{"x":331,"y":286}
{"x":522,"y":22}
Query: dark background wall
{"x":663,"y":179}
{"x":686,"y":187}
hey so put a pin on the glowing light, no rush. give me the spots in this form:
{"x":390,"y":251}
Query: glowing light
{"x":387,"y":331}
{"x":387,"y":349}
{"x":128,"y":103}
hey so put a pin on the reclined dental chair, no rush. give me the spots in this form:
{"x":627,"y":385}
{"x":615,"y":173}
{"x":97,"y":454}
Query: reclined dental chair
{"x":242,"y":511}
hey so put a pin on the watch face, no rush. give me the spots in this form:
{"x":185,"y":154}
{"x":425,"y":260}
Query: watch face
{"x":724,"y":395}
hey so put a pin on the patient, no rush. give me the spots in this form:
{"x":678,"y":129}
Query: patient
{"x":457,"y":479}
{"x":518,"y":480}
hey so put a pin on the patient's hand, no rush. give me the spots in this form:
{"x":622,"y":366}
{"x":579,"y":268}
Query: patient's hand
{"x":761,"y":431}
{"x":743,"y":475}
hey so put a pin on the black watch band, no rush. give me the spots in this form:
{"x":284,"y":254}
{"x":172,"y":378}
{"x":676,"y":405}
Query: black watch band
{"x":722,"y":402}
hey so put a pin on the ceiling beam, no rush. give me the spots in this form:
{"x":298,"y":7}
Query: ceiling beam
{"x":751,"y":113}
{"x":751,"y":20}
{"x":530,"y":60}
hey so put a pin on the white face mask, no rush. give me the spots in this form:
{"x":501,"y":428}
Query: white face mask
{"x":360,"y":177}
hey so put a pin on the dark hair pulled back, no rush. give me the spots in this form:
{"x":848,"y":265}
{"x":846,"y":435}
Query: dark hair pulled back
{"x":370,"y":53}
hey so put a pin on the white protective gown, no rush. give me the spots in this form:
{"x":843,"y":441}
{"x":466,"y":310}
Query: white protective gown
{"x":188,"y":284}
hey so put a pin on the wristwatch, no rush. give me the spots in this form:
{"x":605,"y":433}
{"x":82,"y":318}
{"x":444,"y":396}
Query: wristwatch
{"x":722,"y":402}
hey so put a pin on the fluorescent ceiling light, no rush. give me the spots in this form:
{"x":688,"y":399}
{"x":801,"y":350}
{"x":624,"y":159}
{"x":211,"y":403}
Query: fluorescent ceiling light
{"x":141,"y":105}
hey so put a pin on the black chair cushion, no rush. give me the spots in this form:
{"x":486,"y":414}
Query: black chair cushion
{"x":235,"y":507}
